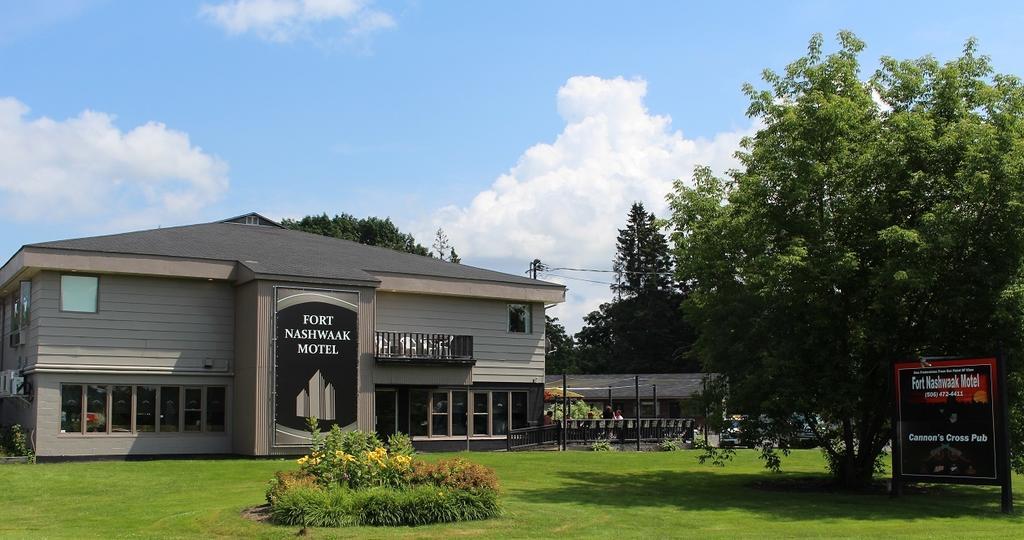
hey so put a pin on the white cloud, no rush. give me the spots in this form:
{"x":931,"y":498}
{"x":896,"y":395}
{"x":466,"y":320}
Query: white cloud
{"x":563,"y":202}
{"x":287,"y":20}
{"x":86,"y":167}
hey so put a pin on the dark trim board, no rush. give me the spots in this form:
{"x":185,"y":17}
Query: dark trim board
{"x":145,"y":457}
{"x":459,"y":445}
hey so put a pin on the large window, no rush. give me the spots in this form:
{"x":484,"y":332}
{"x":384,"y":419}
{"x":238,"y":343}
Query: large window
{"x":519,"y":318}
{"x":145,"y":408}
{"x":456,"y":412}
{"x":79,"y":293}
{"x":71,"y":408}
{"x":121,"y":409}
{"x":103,"y":408}
{"x":499,"y":413}
{"x":193,"y":405}
{"x":439,"y":414}
{"x":170,"y":403}
{"x":215,"y":407}
{"x":20,"y":310}
{"x":481,"y":414}
{"x":96,"y":409}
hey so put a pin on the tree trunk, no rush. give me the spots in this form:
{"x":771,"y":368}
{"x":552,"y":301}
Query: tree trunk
{"x":855,"y":471}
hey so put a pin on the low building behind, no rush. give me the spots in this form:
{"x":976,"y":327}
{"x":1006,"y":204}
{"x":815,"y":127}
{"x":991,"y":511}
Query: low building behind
{"x":662,"y":395}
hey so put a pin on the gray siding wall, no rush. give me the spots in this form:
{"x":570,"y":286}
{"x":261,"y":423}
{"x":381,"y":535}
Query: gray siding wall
{"x":16,"y":411}
{"x":157,"y":324}
{"x":25,"y":354}
{"x":500,"y":356}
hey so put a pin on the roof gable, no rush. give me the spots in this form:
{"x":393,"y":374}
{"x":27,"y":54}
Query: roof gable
{"x":252,"y":218}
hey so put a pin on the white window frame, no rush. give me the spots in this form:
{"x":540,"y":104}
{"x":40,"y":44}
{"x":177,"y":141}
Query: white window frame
{"x":528,"y":329}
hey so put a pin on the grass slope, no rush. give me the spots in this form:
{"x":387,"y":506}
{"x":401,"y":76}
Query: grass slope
{"x":546,"y":495}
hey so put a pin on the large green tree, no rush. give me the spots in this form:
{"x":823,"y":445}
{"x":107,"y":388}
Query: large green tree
{"x":372,"y":231}
{"x":873,"y":218}
{"x":559,"y":348}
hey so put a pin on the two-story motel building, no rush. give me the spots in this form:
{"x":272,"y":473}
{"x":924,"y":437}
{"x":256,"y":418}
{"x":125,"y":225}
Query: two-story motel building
{"x":222,"y":338}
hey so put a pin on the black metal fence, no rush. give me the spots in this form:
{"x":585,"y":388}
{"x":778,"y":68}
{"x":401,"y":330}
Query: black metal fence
{"x":534,"y":437}
{"x":420,"y":345}
{"x":650,"y":430}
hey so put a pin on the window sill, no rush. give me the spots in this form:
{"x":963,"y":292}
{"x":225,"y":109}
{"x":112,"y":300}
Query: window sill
{"x":126,"y":435}
{"x":421,"y":438}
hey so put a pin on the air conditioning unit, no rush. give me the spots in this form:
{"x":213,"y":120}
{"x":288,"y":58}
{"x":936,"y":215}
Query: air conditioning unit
{"x":17,"y":385}
{"x":15,"y":339}
{"x":11,"y":383}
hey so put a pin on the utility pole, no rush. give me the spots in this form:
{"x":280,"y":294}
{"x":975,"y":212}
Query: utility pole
{"x":535,"y":266}
{"x":636,"y":381}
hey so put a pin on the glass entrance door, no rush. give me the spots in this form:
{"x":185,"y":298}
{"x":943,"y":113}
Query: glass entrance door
{"x":387,"y":413}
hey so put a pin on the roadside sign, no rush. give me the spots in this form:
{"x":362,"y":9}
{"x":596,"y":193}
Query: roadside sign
{"x":949,"y":422}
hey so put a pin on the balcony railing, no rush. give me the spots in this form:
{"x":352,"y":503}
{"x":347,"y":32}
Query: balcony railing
{"x":415,"y":347}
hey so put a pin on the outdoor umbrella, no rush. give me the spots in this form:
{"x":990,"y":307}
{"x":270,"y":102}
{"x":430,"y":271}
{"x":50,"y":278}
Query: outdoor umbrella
{"x":556,"y":393}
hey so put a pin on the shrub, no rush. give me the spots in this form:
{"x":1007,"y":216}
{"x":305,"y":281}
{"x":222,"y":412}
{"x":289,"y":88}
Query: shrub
{"x":356,"y":459}
{"x":400,"y":444}
{"x":352,"y":442}
{"x":670,"y":445}
{"x":287,"y":480}
{"x":421,"y":505}
{"x":601,"y":446}
{"x":313,"y":507}
{"x":14,"y":442}
{"x":455,"y":473}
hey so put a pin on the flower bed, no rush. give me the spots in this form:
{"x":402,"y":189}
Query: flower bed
{"x":351,"y":478}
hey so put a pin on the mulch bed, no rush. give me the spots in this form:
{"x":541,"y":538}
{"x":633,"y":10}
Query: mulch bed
{"x":259,"y":514}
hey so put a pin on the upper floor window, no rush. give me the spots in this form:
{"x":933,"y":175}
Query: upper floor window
{"x":20,"y":312}
{"x":519,"y":318}
{"x":79,"y":293}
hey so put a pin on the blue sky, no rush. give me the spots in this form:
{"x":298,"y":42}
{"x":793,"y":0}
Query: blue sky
{"x":524,"y":129}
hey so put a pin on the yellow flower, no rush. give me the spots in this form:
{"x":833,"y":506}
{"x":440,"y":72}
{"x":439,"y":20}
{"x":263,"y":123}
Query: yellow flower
{"x":302,"y":460}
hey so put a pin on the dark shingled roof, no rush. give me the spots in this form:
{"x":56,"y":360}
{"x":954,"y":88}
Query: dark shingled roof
{"x":670,"y":385}
{"x":272,"y":250}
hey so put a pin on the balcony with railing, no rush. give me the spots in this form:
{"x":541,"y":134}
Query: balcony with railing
{"x":417,"y":348}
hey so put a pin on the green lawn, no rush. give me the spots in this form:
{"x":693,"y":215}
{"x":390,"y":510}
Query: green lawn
{"x":546,"y":494}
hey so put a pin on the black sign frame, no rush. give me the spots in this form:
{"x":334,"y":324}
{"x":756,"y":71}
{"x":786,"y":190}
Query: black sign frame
{"x":275,"y":441}
{"x":999,"y":417}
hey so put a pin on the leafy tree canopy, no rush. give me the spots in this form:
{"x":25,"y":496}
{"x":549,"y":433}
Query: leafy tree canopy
{"x":870,"y":220}
{"x":372,"y":231}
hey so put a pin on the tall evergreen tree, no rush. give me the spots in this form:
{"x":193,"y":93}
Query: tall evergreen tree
{"x":642,"y":330}
{"x":642,"y":263}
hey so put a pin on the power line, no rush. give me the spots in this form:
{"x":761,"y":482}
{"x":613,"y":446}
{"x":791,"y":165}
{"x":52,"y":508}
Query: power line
{"x":547,"y":275}
{"x":608,"y":271}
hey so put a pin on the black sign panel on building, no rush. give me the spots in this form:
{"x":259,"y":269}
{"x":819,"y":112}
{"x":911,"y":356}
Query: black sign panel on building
{"x":315,"y":361}
{"x":949,"y":422}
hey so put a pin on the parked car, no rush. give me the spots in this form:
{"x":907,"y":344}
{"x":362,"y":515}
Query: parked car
{"x":732,"y":434}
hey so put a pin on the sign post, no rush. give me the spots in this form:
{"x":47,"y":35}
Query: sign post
{"x":950,"y":423}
